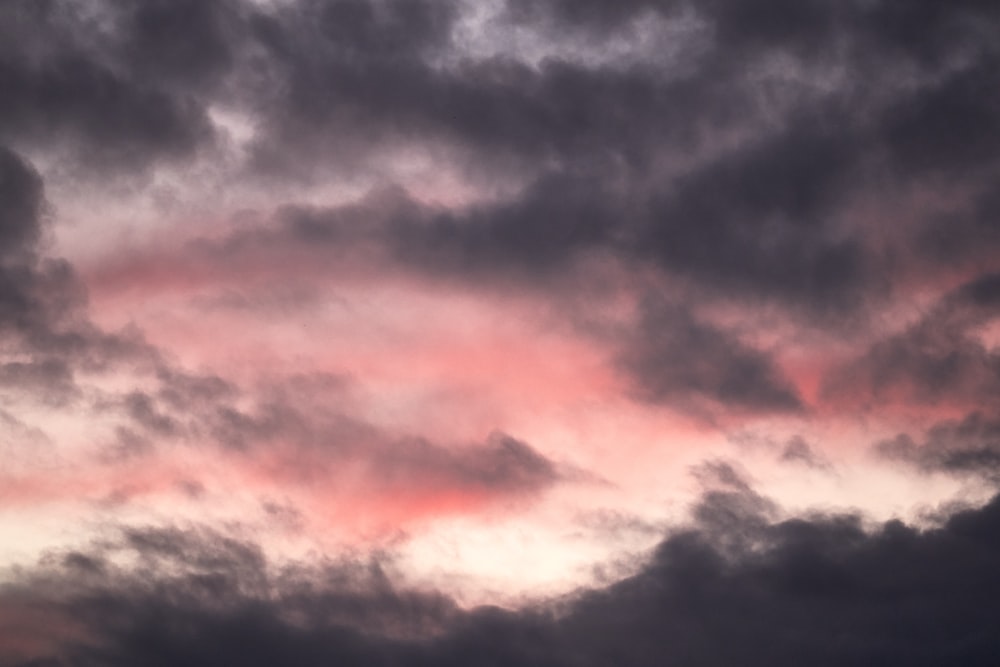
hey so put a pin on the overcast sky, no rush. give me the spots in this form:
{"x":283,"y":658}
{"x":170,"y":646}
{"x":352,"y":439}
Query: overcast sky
{"x":499,"y":332}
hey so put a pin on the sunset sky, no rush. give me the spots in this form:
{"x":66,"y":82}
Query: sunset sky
{"x":499,"y":332}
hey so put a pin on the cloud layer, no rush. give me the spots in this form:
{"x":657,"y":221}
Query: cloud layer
{"x":735,"y":585}
{"x":440,"y":332}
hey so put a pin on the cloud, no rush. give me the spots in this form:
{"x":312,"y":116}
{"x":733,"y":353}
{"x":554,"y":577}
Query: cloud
{"x":44,"y":322}
{"x":147,"y":34}
{"x":657,"y":206}
{"x":36,"y":295}
{"x":676,"y":359}
{"x":334,"y":456}
{"x":761,"y":221}
{"x":949,"y":128}
{"x":160,"y":588}
{"x":797,"y":450}
{"x":645,"y":165}
{"x":22,"y":190}
{"x":821,"y":588}
{"x":101,"y":105}
{"x":938,"y":360}
{"x":967,"y":447}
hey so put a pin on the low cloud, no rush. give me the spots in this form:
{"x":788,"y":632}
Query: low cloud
{"x":736,"y":584}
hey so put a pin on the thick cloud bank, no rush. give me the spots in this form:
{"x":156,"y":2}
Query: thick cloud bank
{"x":733,"y":587}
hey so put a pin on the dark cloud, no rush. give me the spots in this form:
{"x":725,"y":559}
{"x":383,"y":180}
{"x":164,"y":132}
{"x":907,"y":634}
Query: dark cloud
{"x":184,"y":390}
{"x":66,"y":86}
{"x":770,"y":216}
{"x":318,"y":71}
{"x":625,"y":160}
{"x":939,"y":359}
{"x":501,"y":464}
{"x":761,"y":221}
{"x":797,"y":450}
{"x":759,"y":218}
{"x":296,"y":431}
{"x":676,"y":359}
{"x":949,"y":128}
{"x":735,"y":175}
{"x":22,"y":206}
{"x":44,"y":326}
{"x":969,"y":234}
{"x":595,"y":15}
{"x":736,"y":585}
{"x":542,"y":232}
{"x":489,"y":113}
{"x":312,"y":445}
{"x":801,"y":27}
{"x":966,"y":447}
{"x":142,"y":410}
{"x":35,"y":292}
{"x":50,"y":379}
{"x":623,"y":166}
{"x":547,"y":235}
{"x":185,"y":44}
{"x":346,"y":75}
{"x":983,"y":292}
{"x":383,"y":30}
{"x":184,"y":580}
{"x":925,"y":32}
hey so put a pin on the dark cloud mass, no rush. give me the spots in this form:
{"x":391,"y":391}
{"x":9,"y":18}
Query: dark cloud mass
{"x":676,"y":357}
{"x":968,"y":446}
{"x":67,"y":88}
{"x":769,"y":210}
{"x":735,"y":586}
{"x":937,"y":360}
{"x":770,"y":218}
{"x":763,"y":220}
{"x":41,"y":300}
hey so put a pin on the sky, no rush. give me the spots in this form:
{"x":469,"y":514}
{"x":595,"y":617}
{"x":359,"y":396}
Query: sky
{"x":499,"y":332}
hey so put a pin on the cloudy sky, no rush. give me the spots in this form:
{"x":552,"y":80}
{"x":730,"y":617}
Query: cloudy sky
{"x":499,"y":332}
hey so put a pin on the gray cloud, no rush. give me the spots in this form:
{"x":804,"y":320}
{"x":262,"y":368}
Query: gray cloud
{"x":304,"y":436}
{"x":762,"y":221}
{"x":735,"y":585}
{"x":675,"y":358}
{"x":314,"y":444}
{"x":965,"y":447}
{"x":797,"y":450}
{"x":738,"y":175}
{"x":88,"y":81}
{"x":729,"y":171}
{"x":937,"y":360}
{"x":44,"y":323}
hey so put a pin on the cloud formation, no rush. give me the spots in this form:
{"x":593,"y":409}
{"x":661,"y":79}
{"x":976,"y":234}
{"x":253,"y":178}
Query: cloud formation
{"x":328,"y":327}
{"x":736,"y":584}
